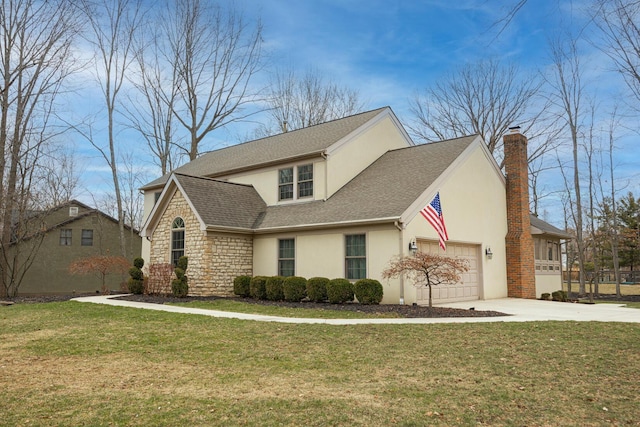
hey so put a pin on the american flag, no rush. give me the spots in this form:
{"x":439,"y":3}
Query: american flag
{"x":433,"y":213}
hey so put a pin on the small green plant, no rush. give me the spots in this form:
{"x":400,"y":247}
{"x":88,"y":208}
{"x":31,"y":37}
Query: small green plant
{"x":294,"y":288}
{"x":136,"y":279}
{"x":339,"y":291}
{"x":180,"y":285}
{"x":241,"y":286}
{"x":559,"y":296}
{"x":317,"y":289}
{"x":368,"y":291}
{"x":274,"y":288}
{"x":545,"y":296}
{"x":257,"y":287}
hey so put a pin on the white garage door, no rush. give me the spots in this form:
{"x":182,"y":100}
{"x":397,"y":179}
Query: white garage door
{"x":468,"y":289}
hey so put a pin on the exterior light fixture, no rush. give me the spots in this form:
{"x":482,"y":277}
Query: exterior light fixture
{"x":488,"y":252}
{"x":413,"y":247}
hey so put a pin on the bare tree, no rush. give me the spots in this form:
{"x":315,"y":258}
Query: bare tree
{"x":113,"y":24}
{"x":567,"y":95}
{"x":297,"y":102}
{"x":36,"y":59}
{"x":427,"y":269}
{"x":150,"y":109}
{"x":619,"y":22}
{"x":215,"y":53}
{"x":484,"y":98}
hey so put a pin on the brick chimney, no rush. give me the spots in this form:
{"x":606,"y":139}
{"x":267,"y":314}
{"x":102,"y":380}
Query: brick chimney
{"x":519,"y":243}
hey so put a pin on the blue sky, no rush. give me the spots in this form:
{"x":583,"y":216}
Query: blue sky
{"x":388,"y":50}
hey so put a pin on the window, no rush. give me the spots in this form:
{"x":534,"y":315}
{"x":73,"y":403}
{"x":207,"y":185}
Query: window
{"x":156,"y":196}
{"x":305,"y":181}
{"x":65,"y":237}
{"x":547,"y":255}
{"x":301,"y":178}
{"x":356,"y":257}
{"x":285,"y":183}
{"x":177,"y":240}
{"x":286,"y":257}
{"x":87,"y":238}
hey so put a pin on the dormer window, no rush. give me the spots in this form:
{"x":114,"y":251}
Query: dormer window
{"x":300,"y":178}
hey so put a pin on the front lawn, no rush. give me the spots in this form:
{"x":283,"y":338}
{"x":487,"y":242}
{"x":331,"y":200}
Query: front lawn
{"x":75,"y":363}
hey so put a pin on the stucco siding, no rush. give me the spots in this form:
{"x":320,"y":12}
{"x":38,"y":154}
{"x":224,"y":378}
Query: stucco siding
{"x":350,"y":159}
{"x":547,"y":283}
{"x":474,"y":208}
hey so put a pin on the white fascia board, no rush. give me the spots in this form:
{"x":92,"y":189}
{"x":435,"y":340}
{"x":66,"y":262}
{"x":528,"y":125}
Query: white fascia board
{"x":387,"y":112}
{"x":374,"y":221}
{"x":158,"y":208}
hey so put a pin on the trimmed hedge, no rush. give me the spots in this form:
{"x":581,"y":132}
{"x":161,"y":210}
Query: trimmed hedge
{"x":294,"y":288}
{"x":274,"y":288}
{"x":241,"y":286}
{"x":317,"y":289}
{"x":339,"y":291}
{"x":368,"y":291}
{"x":257,"y":287}
{"x":180,"y":285}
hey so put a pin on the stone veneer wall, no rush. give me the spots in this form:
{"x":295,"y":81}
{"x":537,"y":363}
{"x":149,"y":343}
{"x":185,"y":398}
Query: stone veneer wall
{"x":214,"y":259}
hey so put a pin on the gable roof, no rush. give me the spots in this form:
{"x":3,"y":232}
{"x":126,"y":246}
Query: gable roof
{"x":382,"y":192}
{"x":299,"y":143}
{"x":221,"y":203}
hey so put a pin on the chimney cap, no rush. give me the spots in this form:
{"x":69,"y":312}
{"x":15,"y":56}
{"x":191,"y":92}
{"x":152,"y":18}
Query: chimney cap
{"x":514,"y":129}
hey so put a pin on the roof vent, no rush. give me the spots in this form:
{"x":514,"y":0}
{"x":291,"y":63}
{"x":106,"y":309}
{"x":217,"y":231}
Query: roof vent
{"x":73,"y":211}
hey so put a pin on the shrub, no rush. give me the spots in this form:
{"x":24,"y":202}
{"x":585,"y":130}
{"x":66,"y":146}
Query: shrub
{"x":368,"y":291}
{"x":257,"y":287}
{"x":559,"y":296}
{"x":339,"y":291}
{"x":136,"y":279}
{"x":135,"y":286}
{"x":180,"y":285}
{"x":160,"y":277}
{"x":317,"y":289}
{"x":545,"y":296}
{"x":294,"y":288}
{"x":241,"y":286}
{"x":274,"y":288}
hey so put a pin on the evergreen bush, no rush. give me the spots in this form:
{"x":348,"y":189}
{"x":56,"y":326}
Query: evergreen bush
{"x":257,"y":287}
{"x":339,"y":291}
{"x":136,"y":279}
{"x":317,"y":289}
{"x":274,"y":288}
{"x":180,"y":285}
{"x":241,"y":286}
{"x":294,"y":288}
{"x":368,"y":291}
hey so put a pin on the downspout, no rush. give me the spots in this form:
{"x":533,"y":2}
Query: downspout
{"x":400,"y":249}
{"x":326,"y":179}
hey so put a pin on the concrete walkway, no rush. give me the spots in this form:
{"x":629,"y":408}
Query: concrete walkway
{"x":520,"y":310}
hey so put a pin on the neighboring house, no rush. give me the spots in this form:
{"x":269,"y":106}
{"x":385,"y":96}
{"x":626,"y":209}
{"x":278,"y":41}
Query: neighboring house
{"x":342,"y":199}
{"x":74,"y":230}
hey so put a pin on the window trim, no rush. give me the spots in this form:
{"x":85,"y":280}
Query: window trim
{"x":348,"y":257}
{"x":177,"y":227}
{"x":67,"y":239}
{"x":296,"y":183}
{"x":281,"y":259}
{"x":84,"y":239}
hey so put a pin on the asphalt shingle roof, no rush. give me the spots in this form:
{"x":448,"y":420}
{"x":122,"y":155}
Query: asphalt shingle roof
{"x":297,"y":143}
{"x":221,"y":203}
{"x":547,"y":228}
{"x":384,"y":190}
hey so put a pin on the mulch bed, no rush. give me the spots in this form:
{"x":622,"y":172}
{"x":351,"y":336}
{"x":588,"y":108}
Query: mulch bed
{"x":407,"y":311}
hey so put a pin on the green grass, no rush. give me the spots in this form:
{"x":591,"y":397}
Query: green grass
{"x":75,"y":363}
{"x":243,"y":307}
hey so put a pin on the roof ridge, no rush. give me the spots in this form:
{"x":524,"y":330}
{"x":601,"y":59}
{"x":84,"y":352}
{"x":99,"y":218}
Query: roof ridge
{"x":212,"y":179}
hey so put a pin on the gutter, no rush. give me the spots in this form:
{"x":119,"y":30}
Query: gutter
{"x":400,"y":228}
{"x":326,"y":225}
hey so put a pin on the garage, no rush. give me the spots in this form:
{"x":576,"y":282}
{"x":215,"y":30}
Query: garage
{"x":469,"y":287}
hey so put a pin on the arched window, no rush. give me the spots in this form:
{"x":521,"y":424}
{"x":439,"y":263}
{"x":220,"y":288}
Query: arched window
{"x":177,"y":240}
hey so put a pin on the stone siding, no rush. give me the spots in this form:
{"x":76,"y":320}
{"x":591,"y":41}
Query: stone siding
{"x":214,"y":259}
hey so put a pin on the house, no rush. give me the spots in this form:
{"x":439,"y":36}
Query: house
{"x":341,"y":199}
{"x":71,"y":231}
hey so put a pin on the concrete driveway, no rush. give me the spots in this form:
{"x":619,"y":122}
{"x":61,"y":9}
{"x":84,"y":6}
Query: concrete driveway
{"x":520,"y":310}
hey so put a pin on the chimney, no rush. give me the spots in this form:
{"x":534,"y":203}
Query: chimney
{"x":519,"y":243}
